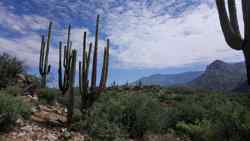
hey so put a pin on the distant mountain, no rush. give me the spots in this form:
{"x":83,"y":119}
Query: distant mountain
{"x":218,"y":76}
{"x":221,"y":76}
{"x":169,"y":79}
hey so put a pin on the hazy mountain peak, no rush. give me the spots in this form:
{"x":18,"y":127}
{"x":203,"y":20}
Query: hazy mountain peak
{"x":221,"y":76}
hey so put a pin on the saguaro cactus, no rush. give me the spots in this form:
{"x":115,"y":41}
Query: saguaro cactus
{"x":44,"y":68}
{"x":70,"y":105}
{"x":66,"y":81}
{"x":90,"y":94}
{"x":230,"y":28}
{"x":63,"y":78}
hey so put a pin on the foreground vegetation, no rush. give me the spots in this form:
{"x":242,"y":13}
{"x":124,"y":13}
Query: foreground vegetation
{"x":199,"y":117}
{"x":142,"y":113}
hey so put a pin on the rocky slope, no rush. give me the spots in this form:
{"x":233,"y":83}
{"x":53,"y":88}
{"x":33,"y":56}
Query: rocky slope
{"x":220,"y":76}
{"x":45,"y":125}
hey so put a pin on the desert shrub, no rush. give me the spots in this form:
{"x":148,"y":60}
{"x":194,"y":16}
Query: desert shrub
{"x":243,"y":99}
{"x":232,"y":122}
{"x":120,"y":116}
{"x":199,"y":131}
{"x":13,"y":90}
{"x":218,"y":118}
{"x":11,"y":108}
{"x":187,"y":109}
{"x":211,"y":117}
{"x":141,"y":115}
{"x":173,"y":97}
{"x":9,"y":68}
{"x":47,"y":96}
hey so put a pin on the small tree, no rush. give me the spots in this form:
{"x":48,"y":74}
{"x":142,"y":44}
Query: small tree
{"x":9,"y":68}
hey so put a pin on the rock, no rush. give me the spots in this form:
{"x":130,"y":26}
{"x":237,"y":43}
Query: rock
{"x":20,"y":122}
{"x":27,"y":128}
{"x":52,"y":137}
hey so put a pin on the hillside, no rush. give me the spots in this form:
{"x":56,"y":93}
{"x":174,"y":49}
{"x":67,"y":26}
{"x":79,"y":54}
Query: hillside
{"x":169,"y":79}
{"x":220,"y":76}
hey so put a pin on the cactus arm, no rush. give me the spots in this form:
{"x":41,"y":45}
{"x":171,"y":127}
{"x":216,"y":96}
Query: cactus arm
{"x":48,"y":69}
{"x":102,"y":84}
{"x":107,"y":63}
{"x":44,"y":68}
{"x":233,"y":39}
{"x":42,"y":55}
{"x":80,"y":77}
{"x":60,"y":67}
{"x":69,"y":33}
{"x":84,"y":58}
{"x":84,"y":44}
{"x":88,"y":58}
{"x":47,"y":49}
{"x":87,"y":67}
{"x":244,"y":9}
{"x":94,"y":69}
{"x":246,"y":17}
{"x":64,"y":56}
{"x":233,"y":16}
{"x":71,"y":86}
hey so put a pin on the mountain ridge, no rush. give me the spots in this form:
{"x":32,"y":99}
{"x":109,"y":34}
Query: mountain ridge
{"x":218,"y":76}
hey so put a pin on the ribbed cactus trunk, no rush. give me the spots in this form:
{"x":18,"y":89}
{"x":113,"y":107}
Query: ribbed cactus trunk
{"x":246,"y":51}
{"x":90,"y":93}
{"x":66,"y":79}
{"x":230,"y":28}
{"x":63,"y":78}
{"x":44,"y":68}
{"x":70,"y":105}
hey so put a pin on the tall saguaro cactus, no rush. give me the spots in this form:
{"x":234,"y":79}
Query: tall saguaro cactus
{"x":63,"y":78}
{"x":230,"y":28}
{"x":90,"y":93}
{"x":70,"y":105}
{"x":44,"y":68}
{"x":67,"y":80}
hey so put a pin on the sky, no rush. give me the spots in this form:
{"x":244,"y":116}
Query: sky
{"x":147,"y":36}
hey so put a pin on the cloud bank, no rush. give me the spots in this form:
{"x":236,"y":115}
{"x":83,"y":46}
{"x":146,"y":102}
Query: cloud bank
{"x":145,"y":40}
{"x":145,"y":34}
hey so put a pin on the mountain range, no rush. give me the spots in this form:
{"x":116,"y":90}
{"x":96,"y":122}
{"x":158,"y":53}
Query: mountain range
{"x":218,"y":76}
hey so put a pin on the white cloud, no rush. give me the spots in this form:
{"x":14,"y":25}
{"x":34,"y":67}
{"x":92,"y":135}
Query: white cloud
{"x":27,"y":49}
{"x":146,"y":41}
{"x":143,"y":37}
{"x":22,"y":23}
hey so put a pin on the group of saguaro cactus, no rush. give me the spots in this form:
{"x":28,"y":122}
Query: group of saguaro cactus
{"x":231,"y":31}
{"x":66,"y":80}
{"x":90,"y":92}
{"x":67,"y":69}
{"x":44,"y":68}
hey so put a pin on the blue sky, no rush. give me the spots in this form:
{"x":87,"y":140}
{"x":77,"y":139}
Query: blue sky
{"x":147,"y":36}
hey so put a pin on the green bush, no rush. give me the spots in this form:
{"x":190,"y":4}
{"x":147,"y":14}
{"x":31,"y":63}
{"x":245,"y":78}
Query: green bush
{"x":213,"y":118}
{"x":47,"y":96}
{"x":199,"y":131}
{"x":11,"y":108}
{"x":141,"y":115}
{"x":120,"y":116}
{"x":9,"y":68}
{"x":13,"y":90}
